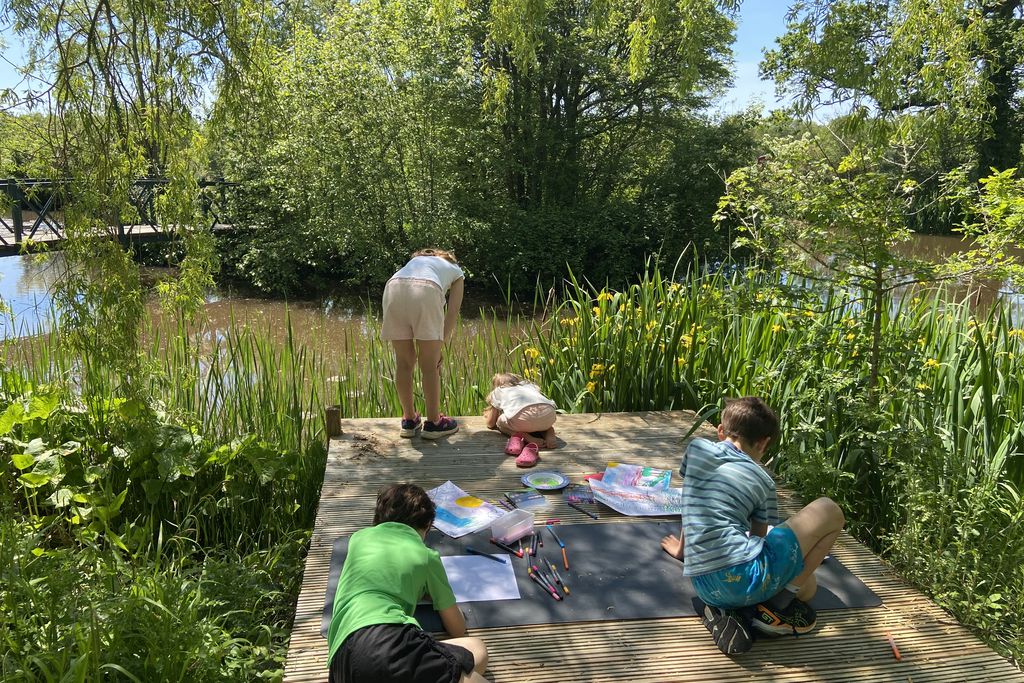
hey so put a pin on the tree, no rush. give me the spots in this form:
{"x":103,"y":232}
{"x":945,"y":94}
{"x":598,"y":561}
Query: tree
{"x":127,"y":78}
{"x":935,"y":69}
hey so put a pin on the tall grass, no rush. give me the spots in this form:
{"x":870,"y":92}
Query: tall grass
{"x":927,"y":463}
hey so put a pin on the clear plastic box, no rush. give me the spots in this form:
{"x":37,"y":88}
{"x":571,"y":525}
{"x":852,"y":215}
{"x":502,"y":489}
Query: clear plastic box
{"x":512,"y":526}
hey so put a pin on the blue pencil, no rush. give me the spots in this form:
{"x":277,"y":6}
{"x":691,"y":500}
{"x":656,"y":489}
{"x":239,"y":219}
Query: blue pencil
{"x":472,"y":551}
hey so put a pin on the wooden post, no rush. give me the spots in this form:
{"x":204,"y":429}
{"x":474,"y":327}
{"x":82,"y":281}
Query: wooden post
{"x":334,"y":422}
{"x":19,"y":223}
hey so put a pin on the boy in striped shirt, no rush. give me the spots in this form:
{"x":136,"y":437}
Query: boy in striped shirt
{"x":733,"y":559}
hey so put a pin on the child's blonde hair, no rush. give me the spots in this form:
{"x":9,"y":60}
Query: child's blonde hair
{"x":506,"y":379}
{"x":440,"y":253}
{"x":503,"y":379}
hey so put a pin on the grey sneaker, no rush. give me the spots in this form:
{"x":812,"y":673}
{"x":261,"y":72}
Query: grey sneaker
{"x":728,"y":628}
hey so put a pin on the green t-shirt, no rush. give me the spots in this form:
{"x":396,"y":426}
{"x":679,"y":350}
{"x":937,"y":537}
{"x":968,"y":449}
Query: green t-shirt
{"x":387,"y":570}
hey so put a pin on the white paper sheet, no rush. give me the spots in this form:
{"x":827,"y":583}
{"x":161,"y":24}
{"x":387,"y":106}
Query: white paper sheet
{"x":474,"y":578}
{"x":639,"y":502}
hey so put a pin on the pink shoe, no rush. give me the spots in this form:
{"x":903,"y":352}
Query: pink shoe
{"x":515,"y":444}
{"x":529,"y":457}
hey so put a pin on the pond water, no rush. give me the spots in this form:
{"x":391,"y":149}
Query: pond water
{"x":26,"y":283}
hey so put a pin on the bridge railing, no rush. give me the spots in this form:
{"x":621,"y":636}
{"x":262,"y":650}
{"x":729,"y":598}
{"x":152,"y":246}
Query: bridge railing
{"x":37,"y":195}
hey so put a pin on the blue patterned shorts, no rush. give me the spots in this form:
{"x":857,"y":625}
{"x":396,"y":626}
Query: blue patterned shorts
{"x":755,"y":581}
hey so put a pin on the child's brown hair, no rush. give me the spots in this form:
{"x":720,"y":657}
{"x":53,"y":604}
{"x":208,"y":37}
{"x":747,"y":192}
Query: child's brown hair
{"x":440,"y":253}
{"x":749,"y":419}
{"x":405,"y":503}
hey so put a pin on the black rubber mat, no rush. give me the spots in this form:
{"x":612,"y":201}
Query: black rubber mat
{"x":616,"y":571}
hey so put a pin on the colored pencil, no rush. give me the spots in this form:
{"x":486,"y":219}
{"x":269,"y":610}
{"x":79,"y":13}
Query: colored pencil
{"x":895,"y":650}
{"x":474,"y":551}
{"x":584,"y":511}
{"x":503,"y":546}
{"x":544,"y":577}
{"x":511,"y":502}
{"x":552,"y":530}
{"x":558,"y":577}
{"x":543,"y":585}
{"x":565,"y":558}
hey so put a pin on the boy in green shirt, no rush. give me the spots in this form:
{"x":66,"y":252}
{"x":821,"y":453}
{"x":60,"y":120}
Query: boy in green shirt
{"x":373,"y":637}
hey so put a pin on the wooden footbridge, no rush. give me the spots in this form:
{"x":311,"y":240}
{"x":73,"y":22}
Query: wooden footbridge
{"x":848,"y":645}
{"x":34,"y":219}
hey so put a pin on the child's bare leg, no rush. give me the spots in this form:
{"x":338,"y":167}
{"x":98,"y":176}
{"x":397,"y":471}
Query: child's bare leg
{"x":530,"y":438}
{"x":479,"y":650}
{"x":405,"y":364}
{"x":430,"y":372}
{"x":817,"y":526}
{"x":549,"y":438}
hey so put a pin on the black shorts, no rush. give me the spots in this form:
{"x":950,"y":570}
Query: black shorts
{"x":398,"y":653}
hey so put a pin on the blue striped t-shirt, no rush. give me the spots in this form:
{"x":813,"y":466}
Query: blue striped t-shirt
{"x":723,"y":488}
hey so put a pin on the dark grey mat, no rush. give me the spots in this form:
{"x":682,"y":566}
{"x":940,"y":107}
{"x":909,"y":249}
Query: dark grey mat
{"x":616,"y":571}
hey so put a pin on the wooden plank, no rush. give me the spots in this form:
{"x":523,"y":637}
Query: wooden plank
{"x":849,"y":645}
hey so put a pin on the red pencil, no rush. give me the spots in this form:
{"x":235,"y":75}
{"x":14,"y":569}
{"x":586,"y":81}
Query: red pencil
{"x":895,"y":650}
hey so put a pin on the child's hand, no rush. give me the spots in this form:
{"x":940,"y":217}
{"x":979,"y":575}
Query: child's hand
{"x":673,"y":545}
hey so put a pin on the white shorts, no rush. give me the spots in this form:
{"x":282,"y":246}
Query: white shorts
{"x":413,"y":309}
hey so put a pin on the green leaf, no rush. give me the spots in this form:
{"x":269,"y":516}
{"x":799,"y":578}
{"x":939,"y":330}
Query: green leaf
{"x":40,"y":406}
{"x":61,"y":498}
{"x":34,"y":480}
{"x":14,"y":415}
{"x":23,"y":460}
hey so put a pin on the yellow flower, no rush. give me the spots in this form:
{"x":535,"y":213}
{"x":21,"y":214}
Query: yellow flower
{"x":687,"y":341}
{"x":531,"y":353}
{"x":591,"y":387}
{"x":681,"y":361}
{"x":808,"y":314}
{"x":569,"y":322}
{"x":851,"y":336}
{"x":675,"y":287}
{"x":604,"y":296}
{"x":651,"y":325}
{"x":931,"y":363}
{"x":776,"y":328}
{"x":531,"y":373}
{"x":596,"y":370}
{"x":856,"y":352}
{"x":597,"y":311}
{"x":922,"y":386}
{"x":1015,"y":333}
{"x":551,"y":361}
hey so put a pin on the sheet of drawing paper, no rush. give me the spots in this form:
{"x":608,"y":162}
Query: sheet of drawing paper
{"x":475,"y":578}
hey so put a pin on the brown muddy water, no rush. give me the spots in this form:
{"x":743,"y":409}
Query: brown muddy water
{"x":26,"y":282}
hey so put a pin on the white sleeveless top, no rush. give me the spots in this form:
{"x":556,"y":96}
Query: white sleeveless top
{"x":512,"y":400}
{"x":434,"y":268}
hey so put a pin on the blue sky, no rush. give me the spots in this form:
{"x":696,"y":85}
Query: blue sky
{"x":759,"y":23}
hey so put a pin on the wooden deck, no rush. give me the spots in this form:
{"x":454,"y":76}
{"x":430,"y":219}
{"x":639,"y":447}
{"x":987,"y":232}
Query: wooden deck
{"x":849,"y":645}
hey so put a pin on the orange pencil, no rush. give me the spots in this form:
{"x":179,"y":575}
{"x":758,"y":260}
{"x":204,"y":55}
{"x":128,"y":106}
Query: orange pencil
{"x":895,"y":650}
{"x":564,"y":558}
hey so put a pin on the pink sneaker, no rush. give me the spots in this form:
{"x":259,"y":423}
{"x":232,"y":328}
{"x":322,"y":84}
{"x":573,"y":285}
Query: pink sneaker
{"x":515,"y":444}
{"x":529,"y":457}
